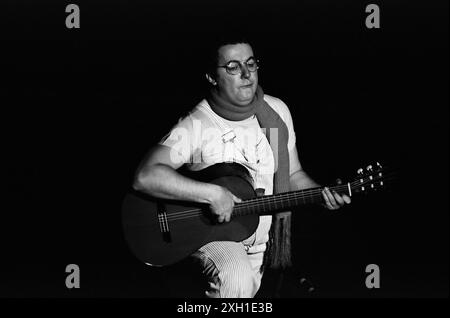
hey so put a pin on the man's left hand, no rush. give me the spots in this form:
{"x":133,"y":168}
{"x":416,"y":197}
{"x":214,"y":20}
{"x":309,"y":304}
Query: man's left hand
{"x":334,"y":200}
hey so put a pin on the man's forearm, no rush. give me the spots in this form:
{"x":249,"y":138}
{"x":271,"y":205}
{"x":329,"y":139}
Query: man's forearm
{"x":164,"y":182}
{"x":300,"y":180}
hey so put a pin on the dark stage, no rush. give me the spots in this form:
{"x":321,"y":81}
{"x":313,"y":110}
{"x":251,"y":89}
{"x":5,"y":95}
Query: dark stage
{"x":82,"y":106}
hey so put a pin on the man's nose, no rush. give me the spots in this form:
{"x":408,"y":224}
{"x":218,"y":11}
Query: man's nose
{"x":245,"y":73}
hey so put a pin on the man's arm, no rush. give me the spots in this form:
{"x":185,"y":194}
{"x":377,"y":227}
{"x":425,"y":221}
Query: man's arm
{"x":157,"y":176}
{"x":300,"y":180}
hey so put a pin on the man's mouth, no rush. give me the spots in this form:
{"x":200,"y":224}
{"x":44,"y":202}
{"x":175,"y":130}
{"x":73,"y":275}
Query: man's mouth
{"x":247,"y":86}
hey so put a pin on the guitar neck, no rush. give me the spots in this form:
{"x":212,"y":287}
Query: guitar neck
{"x":269,"y":204}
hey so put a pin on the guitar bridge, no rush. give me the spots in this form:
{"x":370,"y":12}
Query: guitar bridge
{"x":163,"y":222}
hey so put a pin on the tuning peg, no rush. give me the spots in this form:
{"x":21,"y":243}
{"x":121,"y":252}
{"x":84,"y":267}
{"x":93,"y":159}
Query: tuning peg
{"x":369,"y":168}
{"x":360,"y":171}
{"x":379,"y":165}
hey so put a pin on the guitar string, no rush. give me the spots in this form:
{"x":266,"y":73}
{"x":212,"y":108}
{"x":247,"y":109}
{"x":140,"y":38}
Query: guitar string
{"x":263,"y":201}
{"x":280,"y":198}
{"x":254,"y":204}
{"x":260,"y":201}
{"x":199,"y":212}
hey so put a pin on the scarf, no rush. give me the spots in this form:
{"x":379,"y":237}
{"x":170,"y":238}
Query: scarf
{"x":278,"y":253}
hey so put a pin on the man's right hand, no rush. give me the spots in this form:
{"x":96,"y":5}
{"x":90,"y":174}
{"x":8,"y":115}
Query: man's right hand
{"x":222,"y":203}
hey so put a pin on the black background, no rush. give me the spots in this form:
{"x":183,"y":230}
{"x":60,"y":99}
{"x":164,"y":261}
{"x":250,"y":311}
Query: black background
{"x":80,"y":107}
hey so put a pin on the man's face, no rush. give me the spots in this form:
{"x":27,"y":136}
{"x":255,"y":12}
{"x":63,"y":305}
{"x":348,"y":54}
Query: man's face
{"x":238,"y":89}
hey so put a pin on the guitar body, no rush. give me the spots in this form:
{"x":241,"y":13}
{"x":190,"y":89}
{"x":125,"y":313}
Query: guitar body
{"x":163,"y":232}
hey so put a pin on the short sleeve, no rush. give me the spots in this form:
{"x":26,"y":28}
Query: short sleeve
{"x":180,"y":140}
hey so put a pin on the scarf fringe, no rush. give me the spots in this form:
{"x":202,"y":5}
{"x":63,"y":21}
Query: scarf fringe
{"x":278,"y":253}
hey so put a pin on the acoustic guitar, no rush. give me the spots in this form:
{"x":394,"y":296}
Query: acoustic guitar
{"x":162,"y":232}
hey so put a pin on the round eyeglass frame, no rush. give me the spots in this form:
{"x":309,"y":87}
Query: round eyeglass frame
{"x":241,"y":65}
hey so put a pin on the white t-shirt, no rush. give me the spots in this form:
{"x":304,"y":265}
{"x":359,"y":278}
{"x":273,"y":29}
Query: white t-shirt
{"x":203,"y":138}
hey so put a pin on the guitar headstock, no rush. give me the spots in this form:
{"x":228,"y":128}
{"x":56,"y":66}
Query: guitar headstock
{"x":369,"y":179}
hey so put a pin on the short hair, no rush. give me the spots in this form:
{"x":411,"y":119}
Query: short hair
{"x":213,"y":46}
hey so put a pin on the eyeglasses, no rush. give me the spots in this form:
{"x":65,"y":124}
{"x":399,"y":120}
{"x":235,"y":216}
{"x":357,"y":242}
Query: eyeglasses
{"x":236,"y":67}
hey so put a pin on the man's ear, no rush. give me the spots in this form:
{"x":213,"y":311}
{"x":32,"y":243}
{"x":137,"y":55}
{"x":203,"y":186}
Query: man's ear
{"x":210,"y":79}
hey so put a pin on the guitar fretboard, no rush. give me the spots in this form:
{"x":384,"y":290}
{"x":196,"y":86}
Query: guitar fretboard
{"x":283,"y":201}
